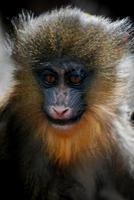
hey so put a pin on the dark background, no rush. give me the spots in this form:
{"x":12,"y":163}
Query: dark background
{"x":111,"y":8}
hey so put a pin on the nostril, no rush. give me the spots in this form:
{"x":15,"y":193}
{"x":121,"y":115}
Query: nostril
{"x":65,"y":110}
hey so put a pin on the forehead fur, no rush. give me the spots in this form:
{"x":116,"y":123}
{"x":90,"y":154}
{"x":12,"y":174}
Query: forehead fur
{"x":68,"y":32}
{"x":100,"y":43}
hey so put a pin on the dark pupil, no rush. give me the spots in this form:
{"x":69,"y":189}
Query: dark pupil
{"x":49,"y":78}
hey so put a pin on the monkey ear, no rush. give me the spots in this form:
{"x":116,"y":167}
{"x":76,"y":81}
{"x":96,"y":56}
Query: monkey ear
{"x":125,"y":37}
{"x":124,"y":43}
{"x":6,"y":71}
{"x":124,"y":32}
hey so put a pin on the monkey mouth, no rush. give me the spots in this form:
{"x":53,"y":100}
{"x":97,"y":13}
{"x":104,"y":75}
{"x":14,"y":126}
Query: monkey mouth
{"x":64,"y":122}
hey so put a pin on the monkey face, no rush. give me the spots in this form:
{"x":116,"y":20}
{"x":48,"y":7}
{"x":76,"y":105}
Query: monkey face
{"x":63,"y":84}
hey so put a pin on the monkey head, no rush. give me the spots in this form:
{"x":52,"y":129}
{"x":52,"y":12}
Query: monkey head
{"x":69,"y":80}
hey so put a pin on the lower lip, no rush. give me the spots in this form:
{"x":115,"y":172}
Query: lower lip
{"x":63,"y":127}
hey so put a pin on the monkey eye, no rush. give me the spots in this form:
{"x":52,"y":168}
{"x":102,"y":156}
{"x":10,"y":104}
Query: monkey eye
{"x":75,"y":79}
{"x":49,"y":78}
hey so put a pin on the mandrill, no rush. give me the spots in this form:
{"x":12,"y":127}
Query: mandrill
{"x":64,"y":129}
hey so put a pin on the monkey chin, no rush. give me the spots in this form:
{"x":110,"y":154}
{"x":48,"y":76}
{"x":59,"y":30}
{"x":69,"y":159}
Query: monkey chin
{"x":65,"y":130}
